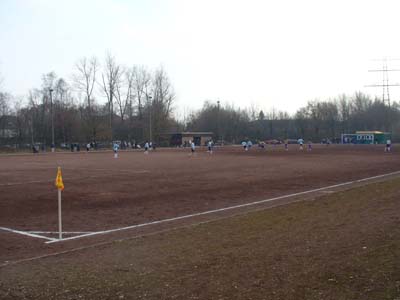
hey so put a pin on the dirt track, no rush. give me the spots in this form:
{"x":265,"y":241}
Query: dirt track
{"x":104,"y":193}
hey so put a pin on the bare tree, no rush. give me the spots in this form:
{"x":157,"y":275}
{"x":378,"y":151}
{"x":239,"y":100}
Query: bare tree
{"x":131,"y":92}
{"x":20,"y":123}
{"x":4,"y":112}
{"x":4,"y":103}
{"x":161,"y":103}
{"x":48,"y":82}
{"x":124,"y":93}
{"x":253,"y":109}
{"x":110,"y":79}
{"x":163,"y":91}
{"x":85,"y":79}
{"x":142,"y":82}
{"x":62,"y":91}
{"x":34,"y":120}
{"x":64,"y":102}
{"x":344,"y":112}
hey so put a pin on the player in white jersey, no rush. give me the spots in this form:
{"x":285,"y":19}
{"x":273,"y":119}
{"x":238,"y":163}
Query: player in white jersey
{"x":192,"y":147}
{"x":249,"y":144}
{"x":209,"y":146}
{"x":300,"y":142}
{"x":116,"y":148}
{"x":388,"y":146}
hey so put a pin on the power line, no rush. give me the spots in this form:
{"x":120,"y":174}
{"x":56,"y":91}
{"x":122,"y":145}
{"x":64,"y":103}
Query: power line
{"x":380,"y":70}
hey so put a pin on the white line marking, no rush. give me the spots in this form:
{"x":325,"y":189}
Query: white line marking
{"x":56,"y":232}
{"x":26,"y":233}
{"x":221,"y":209}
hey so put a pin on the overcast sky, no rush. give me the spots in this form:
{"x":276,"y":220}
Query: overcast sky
{"x":263,"y":53}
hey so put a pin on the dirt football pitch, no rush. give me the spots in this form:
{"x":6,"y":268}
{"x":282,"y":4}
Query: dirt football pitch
{"x":109,"y":199}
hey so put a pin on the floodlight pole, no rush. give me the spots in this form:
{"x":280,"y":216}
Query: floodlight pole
{"x":150,"y":108}
{"x":52,"y":121}
{"x":218,"y":121}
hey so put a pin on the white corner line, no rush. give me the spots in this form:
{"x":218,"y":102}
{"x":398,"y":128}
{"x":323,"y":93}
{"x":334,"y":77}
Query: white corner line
{"x":26,"y":233}
{"x":219,"y":209}
{"x":56,"y":232}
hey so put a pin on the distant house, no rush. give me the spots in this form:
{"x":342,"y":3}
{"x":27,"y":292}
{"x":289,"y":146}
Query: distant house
{"x":366,"y":137}
{"x":184,"y":138}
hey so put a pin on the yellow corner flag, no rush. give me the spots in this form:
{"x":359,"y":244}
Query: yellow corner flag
{"x":59,"y":181}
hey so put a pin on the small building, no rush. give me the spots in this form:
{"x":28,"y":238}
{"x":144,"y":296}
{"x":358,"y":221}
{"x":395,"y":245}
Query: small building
{"x":184,"y":138}
{"x":366,"y":137}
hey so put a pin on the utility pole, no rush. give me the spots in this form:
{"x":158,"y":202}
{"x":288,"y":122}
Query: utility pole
{"x":32,"y":133}
{"x":52,"y":121}
{"x":218,"y":121}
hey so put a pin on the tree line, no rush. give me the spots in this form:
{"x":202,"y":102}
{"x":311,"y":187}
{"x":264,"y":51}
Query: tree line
{"x":316,"y":121}
{"x":139,"y":106}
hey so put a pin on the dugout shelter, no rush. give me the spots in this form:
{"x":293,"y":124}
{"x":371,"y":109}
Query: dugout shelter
{"x":184,"y":138}
{"x":366,"y":137}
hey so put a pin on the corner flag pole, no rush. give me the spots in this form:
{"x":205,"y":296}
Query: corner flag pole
{"x":60,"y":187}
{"x":59,"y":215}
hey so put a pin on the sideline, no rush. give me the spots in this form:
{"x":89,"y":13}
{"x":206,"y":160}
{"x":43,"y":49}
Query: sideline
{"x":221,"y":209}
